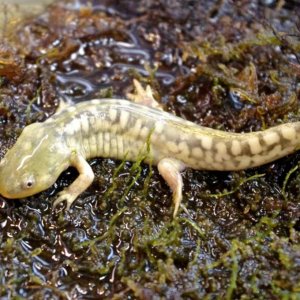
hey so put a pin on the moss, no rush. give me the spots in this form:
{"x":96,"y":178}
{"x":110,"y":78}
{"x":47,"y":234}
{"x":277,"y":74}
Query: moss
{"x":237,"y":235}
{"x":240,"y":183}
{"x":286,"y":179}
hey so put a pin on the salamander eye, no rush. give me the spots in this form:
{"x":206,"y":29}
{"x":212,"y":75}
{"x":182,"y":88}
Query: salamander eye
{"x":28,"y":182}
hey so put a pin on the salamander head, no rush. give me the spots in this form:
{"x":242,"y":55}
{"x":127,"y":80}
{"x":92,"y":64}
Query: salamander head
{"x":33,"y":164}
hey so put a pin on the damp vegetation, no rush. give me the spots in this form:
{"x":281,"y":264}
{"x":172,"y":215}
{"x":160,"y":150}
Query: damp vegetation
{"x":230,"y":65}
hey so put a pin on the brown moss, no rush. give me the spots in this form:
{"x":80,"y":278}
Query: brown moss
{"x":215,"y":63}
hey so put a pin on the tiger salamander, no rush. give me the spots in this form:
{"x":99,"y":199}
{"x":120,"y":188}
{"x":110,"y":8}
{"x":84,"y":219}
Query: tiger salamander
{"x":120,"y":129}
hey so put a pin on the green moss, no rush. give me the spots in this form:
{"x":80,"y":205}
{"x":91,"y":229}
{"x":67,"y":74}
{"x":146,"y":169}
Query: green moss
{"x":119,"y":240}
{"x":241,"y":182}
{"x":234,"y":271}
{"x":286,"y":179}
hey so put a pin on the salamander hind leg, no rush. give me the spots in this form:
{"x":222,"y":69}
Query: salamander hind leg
{"x":169,"y":169}
{"x":143,"y":96}
{"x":82,"y":182}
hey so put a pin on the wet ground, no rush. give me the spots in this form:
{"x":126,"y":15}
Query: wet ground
{"x":230,"y":65}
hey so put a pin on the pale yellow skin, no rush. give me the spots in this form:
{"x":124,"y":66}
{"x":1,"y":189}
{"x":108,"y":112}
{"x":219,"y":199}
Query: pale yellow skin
{"x":122,"y":129}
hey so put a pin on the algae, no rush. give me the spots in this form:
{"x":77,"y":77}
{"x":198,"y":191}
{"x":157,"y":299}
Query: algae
{"x":232,"y":66}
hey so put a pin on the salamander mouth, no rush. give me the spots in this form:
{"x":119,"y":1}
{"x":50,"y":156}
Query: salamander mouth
{"x":7,"y":195}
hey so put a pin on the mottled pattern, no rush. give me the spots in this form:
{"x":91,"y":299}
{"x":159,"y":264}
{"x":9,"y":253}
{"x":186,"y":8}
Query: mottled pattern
{"x":115,"y":128}
{"x":124,"y":130}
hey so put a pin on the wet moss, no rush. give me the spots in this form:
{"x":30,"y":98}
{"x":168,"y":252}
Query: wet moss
{"x":229,"y":66}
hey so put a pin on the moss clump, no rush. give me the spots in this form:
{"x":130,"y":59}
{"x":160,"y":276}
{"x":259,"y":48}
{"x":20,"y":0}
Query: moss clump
{"x":218,"y":65}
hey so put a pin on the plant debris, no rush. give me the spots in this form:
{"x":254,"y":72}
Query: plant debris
{"x":230,"y":65}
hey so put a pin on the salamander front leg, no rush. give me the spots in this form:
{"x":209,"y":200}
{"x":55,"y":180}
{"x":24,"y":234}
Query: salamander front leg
{"x":169,"y":169}
{"x":82,"y":182}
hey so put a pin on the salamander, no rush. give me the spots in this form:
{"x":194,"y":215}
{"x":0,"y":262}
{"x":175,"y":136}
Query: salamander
{"x":120,"y":129}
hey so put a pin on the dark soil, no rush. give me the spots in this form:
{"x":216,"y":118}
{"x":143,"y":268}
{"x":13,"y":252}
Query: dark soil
{"x":231,"y":65}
